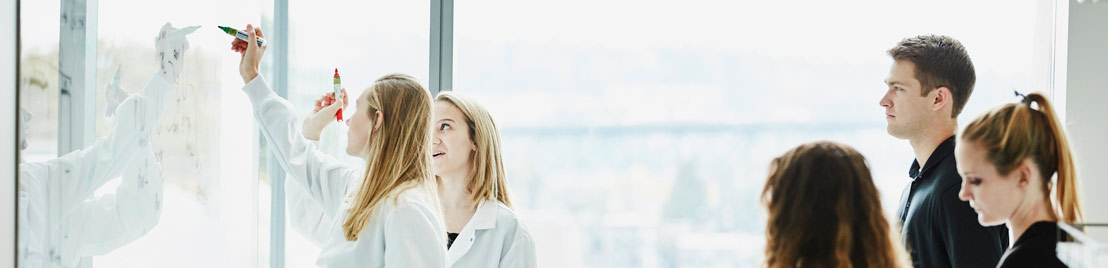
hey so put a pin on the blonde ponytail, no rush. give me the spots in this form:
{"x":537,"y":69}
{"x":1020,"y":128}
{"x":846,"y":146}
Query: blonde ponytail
{"x":1016,"y":131}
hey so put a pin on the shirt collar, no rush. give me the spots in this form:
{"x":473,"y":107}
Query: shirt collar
{"x":1042,"y":230}
{"x":485,"y":216}
{"x":946,"y":148}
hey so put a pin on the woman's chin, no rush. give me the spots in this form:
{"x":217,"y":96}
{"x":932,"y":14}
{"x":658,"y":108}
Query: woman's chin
{"x":989,"y":221}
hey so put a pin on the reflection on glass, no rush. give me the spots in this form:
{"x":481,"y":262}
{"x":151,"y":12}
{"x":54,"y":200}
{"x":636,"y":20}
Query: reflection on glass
{"x":170,"y":175}
{"x":62,"y":222}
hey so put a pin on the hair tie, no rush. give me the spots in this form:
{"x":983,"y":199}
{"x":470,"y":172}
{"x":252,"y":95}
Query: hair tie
{"x":1025,"y":99}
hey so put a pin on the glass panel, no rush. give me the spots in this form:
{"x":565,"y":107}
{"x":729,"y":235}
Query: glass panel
{"x":38,"y":81}
{"x":638,"y":133}
{"x":132,"y":200}
{"x":203,"y":139}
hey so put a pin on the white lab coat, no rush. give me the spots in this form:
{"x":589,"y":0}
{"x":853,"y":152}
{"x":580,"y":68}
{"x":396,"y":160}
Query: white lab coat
{"x":60,"y":224}
{"x":405,"y":232}
{"x":307,"y":218}
{"x":493,"y":237}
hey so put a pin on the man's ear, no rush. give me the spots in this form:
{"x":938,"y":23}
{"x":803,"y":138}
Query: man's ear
{"x":380,"y":118}
{"x":940,"y":97}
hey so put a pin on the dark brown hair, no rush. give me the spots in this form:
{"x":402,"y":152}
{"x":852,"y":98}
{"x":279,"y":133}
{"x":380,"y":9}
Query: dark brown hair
{"x":940,"y":61}
{"x":1014,"y":132}
{"x":824,"y":211}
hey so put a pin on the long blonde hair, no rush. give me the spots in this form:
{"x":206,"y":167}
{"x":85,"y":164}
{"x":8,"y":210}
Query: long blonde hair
{"x":825,"y":211}
{"x":1014,"y":132}
{"x":486,"y":179}
{"x":398,"y":154}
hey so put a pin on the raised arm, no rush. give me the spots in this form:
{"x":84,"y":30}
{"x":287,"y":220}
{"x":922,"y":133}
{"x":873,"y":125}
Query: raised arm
{"x":323,"y":177}
{"x":80,"y":173}
{"x":310,"y":221}
{"x":99,"y":226}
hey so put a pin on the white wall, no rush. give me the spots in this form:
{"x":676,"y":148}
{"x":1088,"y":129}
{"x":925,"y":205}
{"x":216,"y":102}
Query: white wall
{"x":1086,"y":105}
{"x":8,"y":110}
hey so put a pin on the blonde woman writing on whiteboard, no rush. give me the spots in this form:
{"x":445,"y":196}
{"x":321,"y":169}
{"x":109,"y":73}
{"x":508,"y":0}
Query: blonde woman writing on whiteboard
{"x":386,"y":213}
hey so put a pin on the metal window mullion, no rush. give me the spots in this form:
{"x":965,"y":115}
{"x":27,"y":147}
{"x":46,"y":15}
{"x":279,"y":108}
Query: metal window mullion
{"x":76,"y":75}
{"x":442,"y":46}
{"x":280,"y":47}
{"x":9,"y":75}
{"x":76,"y":82}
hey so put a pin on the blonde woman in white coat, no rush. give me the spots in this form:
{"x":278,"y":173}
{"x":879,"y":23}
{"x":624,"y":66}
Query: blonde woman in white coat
{"x":483,"y":231}
{"x":486,"y":231}
{"x":386,"y":214}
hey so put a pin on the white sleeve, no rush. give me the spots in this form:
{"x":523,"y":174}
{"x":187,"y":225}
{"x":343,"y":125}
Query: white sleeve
{"x":323,"y":177}
{"x":413,"y":239}
{"x":99,"y":226}
{"x":521,"y":254}
{"x":31,"y":217}
{"x":309,"y":221}
{"x":61,"y":186}
{"x":76,"y":175}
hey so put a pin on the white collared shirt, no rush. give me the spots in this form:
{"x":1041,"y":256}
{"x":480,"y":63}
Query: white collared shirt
{"x":493,"y":237}
{"x":403,"y":232}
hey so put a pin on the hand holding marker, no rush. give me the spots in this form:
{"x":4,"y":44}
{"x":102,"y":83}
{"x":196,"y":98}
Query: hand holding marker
{"x":261,"y":42}
{"x":241,"y":35}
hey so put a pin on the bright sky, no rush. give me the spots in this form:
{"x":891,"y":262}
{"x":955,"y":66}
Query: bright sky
{"x":777,"y":28}
{"x":814,"y":30}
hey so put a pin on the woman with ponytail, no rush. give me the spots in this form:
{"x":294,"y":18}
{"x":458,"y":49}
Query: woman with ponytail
{"x":1018,"y":170}
{"x":385,"y":213}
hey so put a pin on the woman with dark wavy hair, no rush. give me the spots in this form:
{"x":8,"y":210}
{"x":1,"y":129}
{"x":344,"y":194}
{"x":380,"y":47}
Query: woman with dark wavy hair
{"x":824,"y":211}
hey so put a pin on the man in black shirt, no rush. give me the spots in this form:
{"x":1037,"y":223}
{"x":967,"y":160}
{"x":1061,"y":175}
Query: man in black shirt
{"x":928,"y":85}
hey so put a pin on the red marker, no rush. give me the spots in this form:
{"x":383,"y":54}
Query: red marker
{"x":338,"y":94}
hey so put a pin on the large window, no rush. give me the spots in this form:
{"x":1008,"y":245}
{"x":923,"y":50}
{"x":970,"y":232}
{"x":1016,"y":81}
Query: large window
{"x":636,"y":133}
{"x":203,"y":142}
{"x":639,"y":133}
{"x":217,"y":188}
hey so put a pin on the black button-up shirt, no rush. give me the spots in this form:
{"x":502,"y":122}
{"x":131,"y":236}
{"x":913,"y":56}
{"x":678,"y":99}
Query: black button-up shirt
{"x":939,"y":229}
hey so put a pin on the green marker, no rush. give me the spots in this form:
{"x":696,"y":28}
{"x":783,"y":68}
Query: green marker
{"x":241,"y":35}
